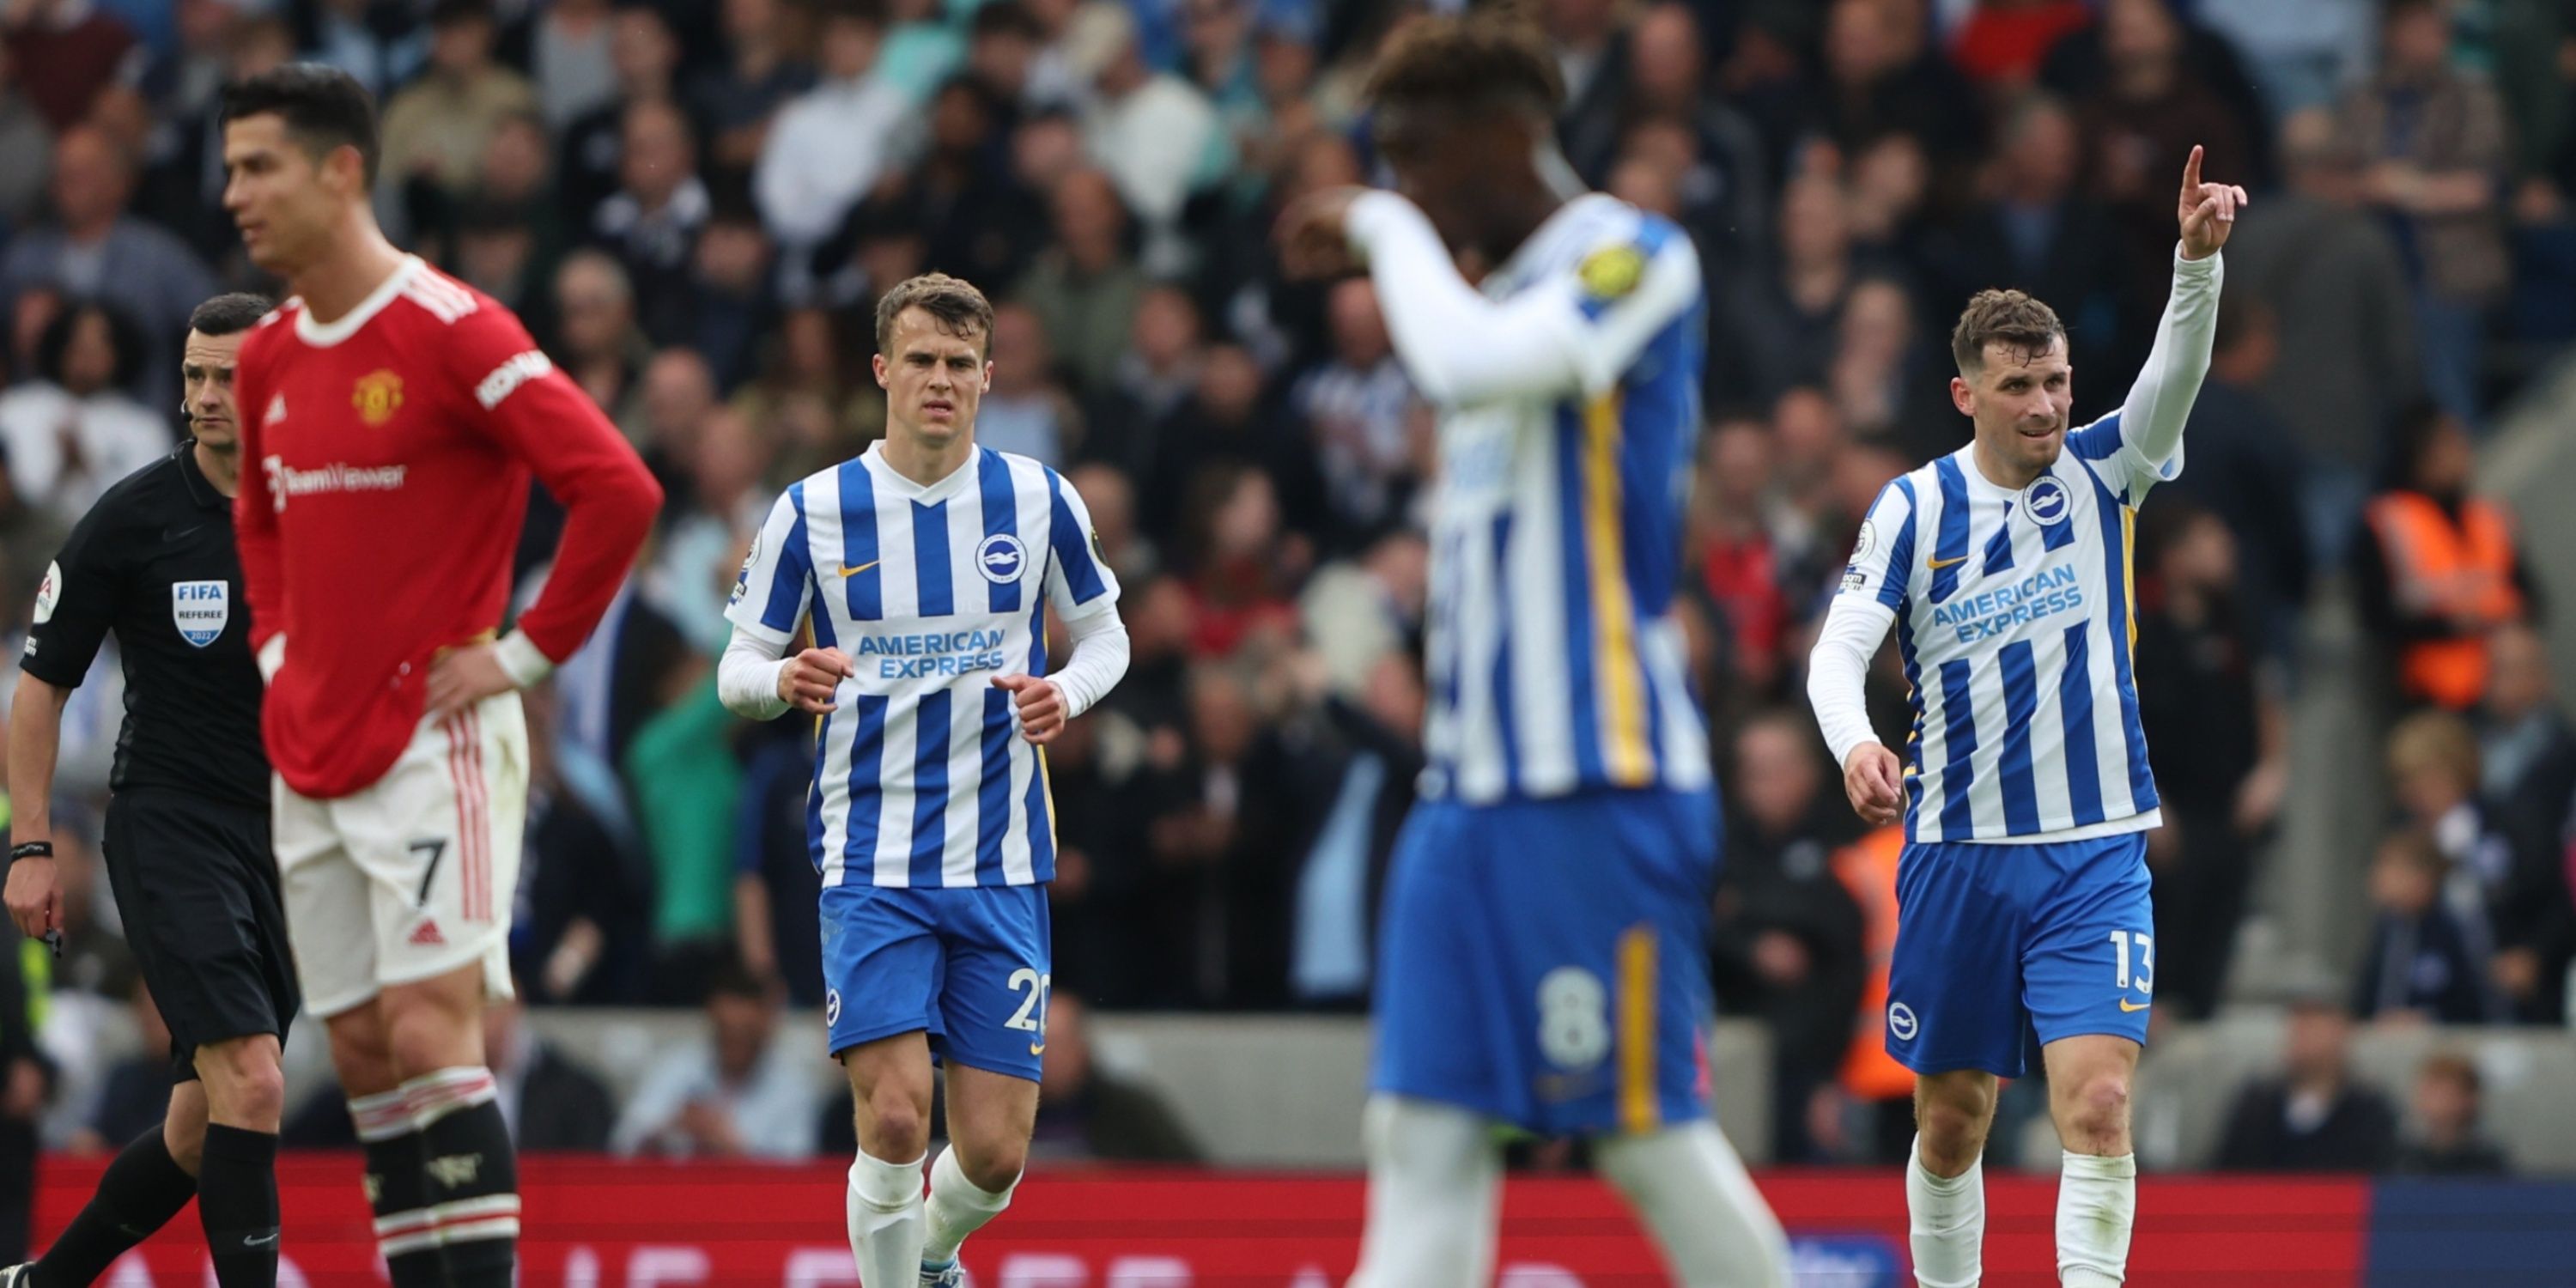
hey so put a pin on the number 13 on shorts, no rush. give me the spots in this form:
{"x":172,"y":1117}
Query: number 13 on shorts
{"x":2134,"y":964}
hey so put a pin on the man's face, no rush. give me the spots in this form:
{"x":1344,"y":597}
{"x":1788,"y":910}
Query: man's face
{"x":741,"y":1027}
{"x":282,"y":200}
{"x":933,"y":379}
{"x":206,"y":376}
{"x":2019,"y":400}
{"x":1444,"y":163}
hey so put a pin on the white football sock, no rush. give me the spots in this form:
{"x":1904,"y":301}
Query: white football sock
{"x":1689,"y":1187}
{"x":958,"y":1207}
{"x":2097,"y":1202}
{"x":884,"y":1207}
{"x":1435,"y":1176}
{"x":1948,"y":1223}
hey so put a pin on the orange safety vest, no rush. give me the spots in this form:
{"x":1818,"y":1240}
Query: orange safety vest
{"x":2448,"y":570}
{"x":1867,"y":868}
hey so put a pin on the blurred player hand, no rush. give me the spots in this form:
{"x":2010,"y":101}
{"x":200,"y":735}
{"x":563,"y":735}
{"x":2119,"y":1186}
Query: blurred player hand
{"x":1872,"y":779}
{"x":1313,"y":240}
{"x":1041,"y":706}
{"x":462,"y":677}
{"x":2207,"y":210}
{"x":808,"y":681}
{"x":35,"y":895}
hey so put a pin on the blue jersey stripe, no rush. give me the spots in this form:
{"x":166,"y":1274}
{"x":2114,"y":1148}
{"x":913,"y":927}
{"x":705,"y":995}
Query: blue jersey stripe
{"x":930,"y":559}
{"x":1950,"y":541}
{"x":993,"y":795}
{"x":1040,"y":807}
{"x":1575,"y":570}
{"x":2117,"y":538}
{"x":1900,"y":553}
{"x":1999,"y":555}
{"x":1071,"y":545}
{"x":1914,"y":700}
{"x":2075,"y":703}
{"x":2058,"y":535}
{"x":1001,"y":530}
{"x":867,"y":752}
{"x":1959,"y":730}
{"x":2097,"y":440}
{"x":2021,"y":703}
{"x":930,"y":788}
{"x":794,"y":573}
{"x":858,"y":571}
{"x":1503,"y":703}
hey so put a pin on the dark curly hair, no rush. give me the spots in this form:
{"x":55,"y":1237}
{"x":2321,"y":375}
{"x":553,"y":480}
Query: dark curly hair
{"x":1489,"y":57}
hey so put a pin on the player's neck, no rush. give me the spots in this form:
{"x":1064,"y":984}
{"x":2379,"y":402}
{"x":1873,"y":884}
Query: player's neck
{"x":359,"y":261}
{"x":223,"y":469}
{"x":922,"y":461}
{"x":2011,"y":478}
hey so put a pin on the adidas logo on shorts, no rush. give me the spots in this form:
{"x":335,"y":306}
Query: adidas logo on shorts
{"x":427,"y":936}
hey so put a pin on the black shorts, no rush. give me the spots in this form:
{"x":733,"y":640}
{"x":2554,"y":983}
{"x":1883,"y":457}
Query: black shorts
{"x":196,"y":886}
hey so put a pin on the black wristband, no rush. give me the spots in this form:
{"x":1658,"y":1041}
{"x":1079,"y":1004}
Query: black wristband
{"x":31,"y":850}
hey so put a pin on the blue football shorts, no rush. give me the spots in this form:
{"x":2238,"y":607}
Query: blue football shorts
{"x":969,"y":966}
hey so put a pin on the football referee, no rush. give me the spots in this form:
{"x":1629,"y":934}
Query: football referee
{"x":187,"y":828}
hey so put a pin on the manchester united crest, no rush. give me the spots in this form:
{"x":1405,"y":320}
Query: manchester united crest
{"x":378,"y":395}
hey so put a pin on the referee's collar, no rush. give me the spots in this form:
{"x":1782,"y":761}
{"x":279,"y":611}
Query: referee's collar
{"x":200,"y":488}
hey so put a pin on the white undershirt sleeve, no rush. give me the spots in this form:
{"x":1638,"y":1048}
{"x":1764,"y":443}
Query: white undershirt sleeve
{"x":1838,"y":671}
{"x":1099,"y":659}
{"x":1459,"y":346}
{"x":747,"y":676}
{"x":2160,"y":401}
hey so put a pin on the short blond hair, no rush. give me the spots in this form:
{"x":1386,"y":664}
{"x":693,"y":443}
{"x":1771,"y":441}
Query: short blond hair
{"x":2009,"y":318}
{"x":2434,"y":740}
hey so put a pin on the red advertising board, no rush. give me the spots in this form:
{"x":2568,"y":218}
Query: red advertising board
{"x":603,"y":1224}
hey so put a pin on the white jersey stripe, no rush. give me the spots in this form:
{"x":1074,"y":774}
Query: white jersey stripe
{"x":822,"y":494}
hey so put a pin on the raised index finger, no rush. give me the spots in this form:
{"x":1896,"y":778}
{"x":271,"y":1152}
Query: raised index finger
{"x":2191,"y":171}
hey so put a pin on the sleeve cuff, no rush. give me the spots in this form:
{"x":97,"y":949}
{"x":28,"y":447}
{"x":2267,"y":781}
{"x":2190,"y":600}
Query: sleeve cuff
{"x":272,"y":656}
{"x":521,"y":660}
{"x":1369,"y":217}
{"x":2186,"y":264}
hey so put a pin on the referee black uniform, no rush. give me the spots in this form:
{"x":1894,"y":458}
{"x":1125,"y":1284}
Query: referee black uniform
{"x":187,"y":827}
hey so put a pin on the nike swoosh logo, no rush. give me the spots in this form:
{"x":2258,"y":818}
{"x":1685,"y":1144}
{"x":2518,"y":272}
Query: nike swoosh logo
{"x":848,"y":571}
{"x":2127,"y":1005}
{"x":1938,"y":564}
{"x":260,"y":1241}
{"x":175,"y":534}
{"x":1037,"y":1048}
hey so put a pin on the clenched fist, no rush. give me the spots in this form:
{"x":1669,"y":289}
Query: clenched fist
{"x":810,"y":678}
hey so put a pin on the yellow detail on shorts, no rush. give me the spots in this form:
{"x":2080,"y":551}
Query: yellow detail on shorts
{"x":1639,"y":1111}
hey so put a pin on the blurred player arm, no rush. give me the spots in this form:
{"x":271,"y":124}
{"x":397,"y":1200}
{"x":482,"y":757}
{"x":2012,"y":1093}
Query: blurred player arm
{"x":255,"y":509}
{"x":540,"y":416}
{"x":1573,"y":333}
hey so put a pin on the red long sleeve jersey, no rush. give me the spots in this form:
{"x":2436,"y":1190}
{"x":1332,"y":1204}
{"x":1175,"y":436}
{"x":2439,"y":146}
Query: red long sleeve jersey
{"x":387,"y":461}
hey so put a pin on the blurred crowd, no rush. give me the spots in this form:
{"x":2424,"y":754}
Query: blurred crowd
{"x":694,"y":202}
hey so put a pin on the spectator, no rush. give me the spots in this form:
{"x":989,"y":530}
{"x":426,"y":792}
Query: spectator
{"x":2433,"y":147}
{"x":1165,"y":352}
{"x":1084,"y":1113}
{"x":982,"y":223}
{"x":1788,"y":935}
{"x":2446,"y":1113}
{"x":1239,"y":568}
{"x":572,"y":57}
{"x":739,"y":99}
{"x":96,"y":250}
{"x":1880,"y":76}
{"x":730,"y":289}
{"x":137,"y":1095}
{"x":550,"y":1101}
{"x":595,"y":339}
{"x":26,"y":150}
{"x":2526,"y":752}
{"x":1363,"y":418}
{"x":507,"y":236}
{"x":1360,"y":612}
{"x":352,"y":36}
{"x":1111,"y":499}
{"x":1156,"y":136}
{"x":1027,"y":410}
{"x":1231,"y":418}
{"x":64,"y":52}
{"x":646,"y":58}
{"x":2001,"y":44}
{"x":587,"y":928}
{"x":2032,"y":228}
{"x":2090,"y":58}
{"x":2427,"y":959}
{"x":831,"y":145}
{"x":1731,"y":542}
{"x":687,"y":788}
{"x":922,"y":49}
{"x":1003,"y":42}
{"x":653,"y":221}
{"x":1368,"y":760}
{"x":776,"y":889}
{"x":76,"y":429}
{"x":183,"y":185}
{"x":2151,"y":104}
{"x":2301,"y":53}
{"x":1722,"y":193}
{"x":2441,"y":568}
{"x":703,"y":539}
{"x":2217,"y":738}
{"x":1780,"y":322}
{"x":435,"y":130}
{"x":2504,"y":863}
{"x":2313,"y":1118}
{"x":738,"y":1093}
{"x":2337,"y":291}
{"x":2243,"y":463}
{"x":1085,"y":287}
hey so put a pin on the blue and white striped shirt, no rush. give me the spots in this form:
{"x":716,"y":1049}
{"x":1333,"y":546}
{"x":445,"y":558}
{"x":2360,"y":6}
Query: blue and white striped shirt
{"x":920,"y":776}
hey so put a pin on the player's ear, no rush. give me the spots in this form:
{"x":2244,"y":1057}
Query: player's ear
{"x":988,"y":373}
{"x":877,"y":364}
{"x":1963,"y":396}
